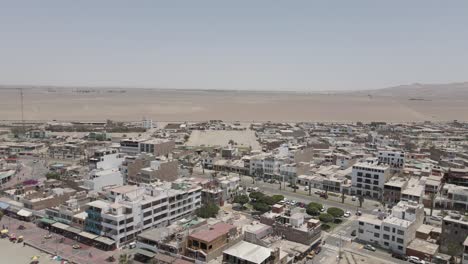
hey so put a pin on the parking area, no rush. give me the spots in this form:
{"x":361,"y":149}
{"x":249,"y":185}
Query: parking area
{"x":56,"y":244}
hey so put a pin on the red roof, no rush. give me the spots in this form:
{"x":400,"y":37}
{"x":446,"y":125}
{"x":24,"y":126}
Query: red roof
{"x":214,"y":232}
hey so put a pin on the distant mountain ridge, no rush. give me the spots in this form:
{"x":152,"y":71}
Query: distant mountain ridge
{"x":421,"y":91}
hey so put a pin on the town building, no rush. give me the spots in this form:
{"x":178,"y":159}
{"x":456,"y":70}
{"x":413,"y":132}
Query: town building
{"x":393,"y":232}
{"x":368,"y":178}
{"x":128,"y":210}
{"x":454,"y":234}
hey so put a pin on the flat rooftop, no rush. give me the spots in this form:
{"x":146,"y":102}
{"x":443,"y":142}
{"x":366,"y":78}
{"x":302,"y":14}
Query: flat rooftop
{"x":249,"y":252}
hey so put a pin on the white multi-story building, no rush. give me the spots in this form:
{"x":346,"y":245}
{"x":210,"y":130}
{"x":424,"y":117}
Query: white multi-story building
{"x":99,"y":179}
{"x":395,"y":159}
{"x":368,"y":178}
{"x":105,"y":159}
{"x":127,"y":210}
{"x":147,"y":123}
{"x":395,"y":231}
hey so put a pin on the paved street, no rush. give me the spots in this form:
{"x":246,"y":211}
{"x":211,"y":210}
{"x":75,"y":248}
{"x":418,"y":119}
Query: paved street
{"x":302,"y":196}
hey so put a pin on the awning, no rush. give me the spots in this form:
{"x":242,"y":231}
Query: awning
{"x":88,"y":235}
{"x":105,"y":240}
{"x":60,"y":226}
{"x":47,"y":221}
{"x":24,"y":213}
{"x":4,"y":206}
{"x":74,"y":230}
{"x":145,"y":253}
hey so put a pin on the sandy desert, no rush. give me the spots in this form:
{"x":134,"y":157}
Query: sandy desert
{"x":185,"y":105}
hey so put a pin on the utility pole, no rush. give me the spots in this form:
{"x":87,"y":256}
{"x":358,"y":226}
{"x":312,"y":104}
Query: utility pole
{"x":22,"y":110}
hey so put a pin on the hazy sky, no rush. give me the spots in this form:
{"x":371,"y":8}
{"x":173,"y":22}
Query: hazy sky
{"x":268,"y":45}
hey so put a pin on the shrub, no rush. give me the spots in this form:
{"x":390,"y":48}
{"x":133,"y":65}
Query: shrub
{"x":241,"y":199}
{"x":262,"y":207}
{"x":326,"y":218}
{"x":277,"y":198}
{"x":335,"y":212}
{"x":256,"y":195}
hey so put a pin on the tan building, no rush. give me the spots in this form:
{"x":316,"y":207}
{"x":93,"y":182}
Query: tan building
{"x":147,"y":168}
{"x":208,"y":244}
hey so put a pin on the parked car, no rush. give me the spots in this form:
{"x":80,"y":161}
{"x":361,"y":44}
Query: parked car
{"x":347,"y":214}
{"x":399,"y":256}
{"x":353,"y":233}
{"x":369,"y":247}
{"x":318,"y":249}
{"x":416,"y":260}
{"x":353,"y":198}
{"x":323,"y":209}
{"x":435,"y":218}
{"x":358,"y":213}
{"x":306,"y":188}
{"x":76,"y":246}
{"x":318,"y":192}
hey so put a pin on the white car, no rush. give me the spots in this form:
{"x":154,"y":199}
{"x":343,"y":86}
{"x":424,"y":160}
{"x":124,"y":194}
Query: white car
{"x":347,"y":214}
{"x":323,"y":209}
{"x":353,"y":198}
{"x":416,"y":260}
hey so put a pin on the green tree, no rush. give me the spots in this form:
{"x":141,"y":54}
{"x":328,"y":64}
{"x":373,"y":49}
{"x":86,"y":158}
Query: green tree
{"x":207,"y":211}
{"x":326,"y":218}
{"x":343,"y":196}
{"x":241,"y":199}
{"x":277,"y":197}
{"x":256,"y":195}
{"x":1,"y":215}
{"x":313,"y":208}
{"x":53,"y":175}
{"x":262,"y":207}
{"x":312,"y":211}
{"x":335,"y":212}
{"x":266,"y":200}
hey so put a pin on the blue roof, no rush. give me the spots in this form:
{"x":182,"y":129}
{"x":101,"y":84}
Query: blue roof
{"x":4,"y":206}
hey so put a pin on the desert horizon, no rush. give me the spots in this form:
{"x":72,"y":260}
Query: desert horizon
{"x":93,"y":104}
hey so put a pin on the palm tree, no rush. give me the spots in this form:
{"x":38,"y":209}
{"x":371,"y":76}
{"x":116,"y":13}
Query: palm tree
{"x":343,"y":196}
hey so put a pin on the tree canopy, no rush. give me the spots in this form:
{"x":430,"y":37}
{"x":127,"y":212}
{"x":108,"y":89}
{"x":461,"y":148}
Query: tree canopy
{"x":326,"y":218}
{"x":241,"y":199}
{"x":335,"y":212}
{"x":313,"y":208}
{"x":207,"y":211}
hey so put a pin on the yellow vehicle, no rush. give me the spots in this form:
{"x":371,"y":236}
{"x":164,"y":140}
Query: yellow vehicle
{"x":311,"y":255}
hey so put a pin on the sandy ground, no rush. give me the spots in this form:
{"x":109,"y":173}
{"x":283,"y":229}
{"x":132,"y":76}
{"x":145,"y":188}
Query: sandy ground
{"x":172,"y":105}
{"x":222,"y":137}
{"x":17,"y":254}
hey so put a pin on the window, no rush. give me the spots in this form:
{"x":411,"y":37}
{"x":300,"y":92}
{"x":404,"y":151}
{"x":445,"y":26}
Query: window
{"x":377,"y":227}
{"x":399,"y":241}
{"x":376,"y":176}
{"x":393,"y":230}
{"x":359,"y":174}
{"x":401,"y":232}
{"x":361,"y":231}
{"x":361,"y":223}
{"x":376,"y":235}
{"x":386,"y":244}
{"x":400,"y":248}
{"x":386,"y":237}
{"x":386,"y":228}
